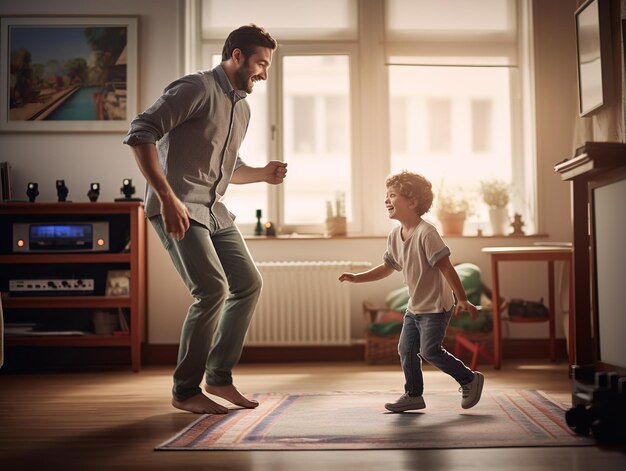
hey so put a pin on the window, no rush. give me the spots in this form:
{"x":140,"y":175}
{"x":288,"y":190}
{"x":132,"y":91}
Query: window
{"x":459,"y":77}
{"x":301,"y":114}
{"x":482,"y":123}
{"x":458,"y":140}
{"x":316,"y":125}
{"x":362,"y":88}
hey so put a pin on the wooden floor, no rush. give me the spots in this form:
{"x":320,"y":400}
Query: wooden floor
{"x":114,"y":419}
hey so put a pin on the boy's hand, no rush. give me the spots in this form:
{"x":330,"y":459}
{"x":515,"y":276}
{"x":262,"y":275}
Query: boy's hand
{"x":466,"y":306}
{"x":351,"y":277}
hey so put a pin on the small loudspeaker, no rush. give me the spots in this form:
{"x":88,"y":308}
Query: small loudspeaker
{"x":94,"y":192}
{"x":128,"y":190}
{"x":32,"y":191}
{"x":62,"y":191}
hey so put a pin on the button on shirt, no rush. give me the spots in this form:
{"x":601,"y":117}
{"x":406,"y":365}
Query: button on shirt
{"x":416,"y":258}
{"x":198,"y":125}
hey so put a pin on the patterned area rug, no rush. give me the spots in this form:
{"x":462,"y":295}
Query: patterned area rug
{"x":353,"y":421}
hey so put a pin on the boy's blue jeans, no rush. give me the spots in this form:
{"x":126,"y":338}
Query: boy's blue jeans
{"x":220,"y":274}
{"x":422,"y":338}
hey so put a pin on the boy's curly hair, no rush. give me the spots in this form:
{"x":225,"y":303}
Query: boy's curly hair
{"x":415,"y":187}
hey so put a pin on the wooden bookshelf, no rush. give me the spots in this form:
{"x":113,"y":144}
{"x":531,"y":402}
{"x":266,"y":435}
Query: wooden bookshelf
{"x":128,"y":254}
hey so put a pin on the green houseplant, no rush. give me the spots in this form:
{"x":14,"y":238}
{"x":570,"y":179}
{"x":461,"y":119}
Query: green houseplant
{"x":497,"y":194}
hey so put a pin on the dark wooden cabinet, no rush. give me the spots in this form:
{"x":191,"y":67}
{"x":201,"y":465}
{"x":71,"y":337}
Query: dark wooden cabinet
{"x":126,"y":252}
{"x":595,"y":165}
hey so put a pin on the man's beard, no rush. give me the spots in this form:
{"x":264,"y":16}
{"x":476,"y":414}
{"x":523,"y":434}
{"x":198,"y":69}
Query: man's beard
{"x":243,"y":78}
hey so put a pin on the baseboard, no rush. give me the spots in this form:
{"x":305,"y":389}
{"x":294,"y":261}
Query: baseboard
{"x":36,"y":359}
{"x":167,"y":354}
{"x":511,"y":348}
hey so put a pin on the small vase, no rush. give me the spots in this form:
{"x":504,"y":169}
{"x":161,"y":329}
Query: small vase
{"x":499,"y":218}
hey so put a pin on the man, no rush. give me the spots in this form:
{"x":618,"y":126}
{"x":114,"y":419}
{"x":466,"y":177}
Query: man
{"x":187,"y":146}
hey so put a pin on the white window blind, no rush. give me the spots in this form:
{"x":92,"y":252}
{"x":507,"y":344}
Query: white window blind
{"x":285,"y":19}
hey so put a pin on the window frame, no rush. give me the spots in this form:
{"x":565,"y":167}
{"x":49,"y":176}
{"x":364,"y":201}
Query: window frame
{"x":369,"y":107}
{"x":275,"y":149}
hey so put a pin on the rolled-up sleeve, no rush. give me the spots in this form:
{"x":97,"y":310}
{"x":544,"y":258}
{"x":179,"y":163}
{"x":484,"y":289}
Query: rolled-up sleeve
{"x":239,"y":163}
{"x":434,"y":258}
{"x":389,"y":261}
{"x":181,"y":100}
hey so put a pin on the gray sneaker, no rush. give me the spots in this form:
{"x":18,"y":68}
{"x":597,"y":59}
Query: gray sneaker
{"x":472,"y":391}
{"x":406,"y":402}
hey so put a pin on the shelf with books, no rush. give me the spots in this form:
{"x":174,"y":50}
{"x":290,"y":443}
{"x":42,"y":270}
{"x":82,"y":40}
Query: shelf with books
{"x":63,"y":292}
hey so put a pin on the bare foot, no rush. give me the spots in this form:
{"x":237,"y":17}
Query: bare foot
{"x":231,"y":394}
{"x":200,"y":404}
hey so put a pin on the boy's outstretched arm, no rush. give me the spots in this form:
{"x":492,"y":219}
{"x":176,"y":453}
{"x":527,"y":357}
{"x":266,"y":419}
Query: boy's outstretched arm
{"x":452,"y":277}
{"x":377,"y":273}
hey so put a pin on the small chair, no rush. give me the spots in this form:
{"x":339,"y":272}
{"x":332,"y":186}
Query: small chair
{"x":477,"y":343}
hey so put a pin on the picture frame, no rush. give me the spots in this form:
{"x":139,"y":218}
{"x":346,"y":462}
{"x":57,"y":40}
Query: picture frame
{"x":118,"y":283}
{"x":624,"y":75}
{"x":66,"y":74}
{"x":593,"y":55}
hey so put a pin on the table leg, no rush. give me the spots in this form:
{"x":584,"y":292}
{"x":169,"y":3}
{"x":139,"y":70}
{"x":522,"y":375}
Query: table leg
{"x":571,"y":316}
{"x":497,"y":327}
{"x":552,"y":313}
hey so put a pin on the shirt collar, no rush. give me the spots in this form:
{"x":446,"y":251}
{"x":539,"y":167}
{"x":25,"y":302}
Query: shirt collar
{"x":223,"y":81}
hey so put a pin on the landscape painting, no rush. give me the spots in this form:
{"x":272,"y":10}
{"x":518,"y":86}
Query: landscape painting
{"x":68,"y":73}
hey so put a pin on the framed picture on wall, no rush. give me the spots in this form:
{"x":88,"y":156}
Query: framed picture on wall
{"x":68,"y":73}
{"x":624,"y":73}
{"x":593,"y":48}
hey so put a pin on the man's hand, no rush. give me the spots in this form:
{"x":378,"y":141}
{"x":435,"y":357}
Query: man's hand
{"x":174,"y":212}
{"x":176,"y":217}
{"x":275,"y":172}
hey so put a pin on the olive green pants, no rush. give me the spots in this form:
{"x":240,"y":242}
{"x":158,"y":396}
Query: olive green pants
{"x":220,"y":274}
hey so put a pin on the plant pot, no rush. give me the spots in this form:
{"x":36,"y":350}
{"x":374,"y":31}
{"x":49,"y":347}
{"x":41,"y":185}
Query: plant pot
{"x":452,"y":224}
{"x":499,"y":218}
{"x":336,"y":226}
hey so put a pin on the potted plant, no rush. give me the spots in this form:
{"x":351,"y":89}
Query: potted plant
{"x":452,"y":209}
{"x":497,"y":195}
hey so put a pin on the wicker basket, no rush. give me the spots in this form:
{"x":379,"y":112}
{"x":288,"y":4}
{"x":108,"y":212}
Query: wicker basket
{"x":381,"y":349}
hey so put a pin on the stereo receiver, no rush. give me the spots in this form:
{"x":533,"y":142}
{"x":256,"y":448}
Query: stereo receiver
{"x":51,"y":287}
{"x":61,"y":237}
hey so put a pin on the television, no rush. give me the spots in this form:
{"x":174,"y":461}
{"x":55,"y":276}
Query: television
{"x":593,"y":53}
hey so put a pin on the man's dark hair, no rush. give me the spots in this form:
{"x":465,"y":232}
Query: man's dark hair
{"x":247,"y":39}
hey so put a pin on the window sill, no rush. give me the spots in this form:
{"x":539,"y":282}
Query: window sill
{"x":296,"y":236}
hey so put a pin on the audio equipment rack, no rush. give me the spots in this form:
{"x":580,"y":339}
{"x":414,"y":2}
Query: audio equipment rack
{"x":75,"y":282}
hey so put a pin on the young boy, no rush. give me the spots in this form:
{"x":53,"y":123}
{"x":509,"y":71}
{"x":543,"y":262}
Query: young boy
{"x":416,"y":248}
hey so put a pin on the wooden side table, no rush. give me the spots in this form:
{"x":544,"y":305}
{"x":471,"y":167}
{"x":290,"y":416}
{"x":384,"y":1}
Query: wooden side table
{"x":548,"y":254}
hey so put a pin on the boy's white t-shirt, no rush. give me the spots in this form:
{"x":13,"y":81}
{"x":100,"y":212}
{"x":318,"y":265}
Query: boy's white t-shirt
{"x":416,"y":257}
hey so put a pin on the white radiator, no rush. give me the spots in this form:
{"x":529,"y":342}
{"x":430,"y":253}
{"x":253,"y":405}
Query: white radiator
{"x":303,"y":303}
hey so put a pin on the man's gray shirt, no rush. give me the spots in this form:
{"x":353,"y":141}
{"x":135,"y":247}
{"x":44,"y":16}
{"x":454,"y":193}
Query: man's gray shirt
{"x":198,"y":125}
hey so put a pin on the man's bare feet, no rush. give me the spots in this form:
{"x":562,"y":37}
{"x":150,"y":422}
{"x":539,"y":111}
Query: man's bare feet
{"x":200,"y":404}
{"x":231,"y":394}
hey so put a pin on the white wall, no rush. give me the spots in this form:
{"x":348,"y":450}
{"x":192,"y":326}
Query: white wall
{"x":82,"y":158}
